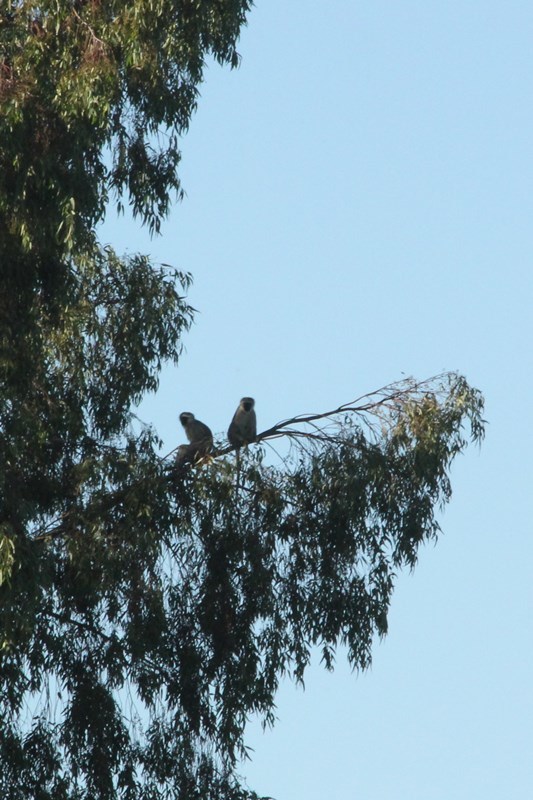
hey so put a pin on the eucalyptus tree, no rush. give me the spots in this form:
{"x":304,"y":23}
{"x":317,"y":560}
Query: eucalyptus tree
{"x":149,"y":605}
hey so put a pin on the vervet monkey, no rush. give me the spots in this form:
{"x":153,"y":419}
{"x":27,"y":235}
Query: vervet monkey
{"x":243,"y":427}
{"x":199,"y":436}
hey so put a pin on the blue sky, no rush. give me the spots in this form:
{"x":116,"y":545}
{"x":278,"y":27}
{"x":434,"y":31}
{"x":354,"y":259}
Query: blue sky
{"x":359,"y":208}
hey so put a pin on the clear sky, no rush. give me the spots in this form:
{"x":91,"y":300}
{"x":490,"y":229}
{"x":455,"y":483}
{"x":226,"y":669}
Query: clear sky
{"x":359,"y":208}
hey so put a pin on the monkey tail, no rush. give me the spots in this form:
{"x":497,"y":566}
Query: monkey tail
{"x":238,"y":467}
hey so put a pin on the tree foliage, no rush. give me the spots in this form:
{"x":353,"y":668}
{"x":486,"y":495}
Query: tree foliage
{"x":83,"y":79}
{"x":147,"y":608}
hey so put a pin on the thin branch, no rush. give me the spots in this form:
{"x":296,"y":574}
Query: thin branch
{"x":79,"y":624}
{"x":352,"y":407}
{"x":91,"y":31}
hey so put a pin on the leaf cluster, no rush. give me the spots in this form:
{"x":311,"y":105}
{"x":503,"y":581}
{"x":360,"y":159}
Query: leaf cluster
{"x":84,"y":83}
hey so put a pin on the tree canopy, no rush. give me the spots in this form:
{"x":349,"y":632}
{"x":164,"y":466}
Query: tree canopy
{"x":148,"y":608}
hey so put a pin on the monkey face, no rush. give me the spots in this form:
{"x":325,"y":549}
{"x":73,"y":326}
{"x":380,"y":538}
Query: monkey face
{"x":197,"y":432}
{"x":242,"y":430}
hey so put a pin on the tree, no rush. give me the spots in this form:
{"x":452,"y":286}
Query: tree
{"x":147,"y":607}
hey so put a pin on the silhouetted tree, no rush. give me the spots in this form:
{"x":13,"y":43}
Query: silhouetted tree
{"x":147,"y":608}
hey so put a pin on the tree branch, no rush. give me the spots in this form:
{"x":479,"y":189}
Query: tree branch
{"x":386,"y":398}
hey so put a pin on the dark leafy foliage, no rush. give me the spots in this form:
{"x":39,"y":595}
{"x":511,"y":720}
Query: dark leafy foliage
{"x":82,"y":79}
{"x":147,"y":607}
{"x":159,"y":606}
